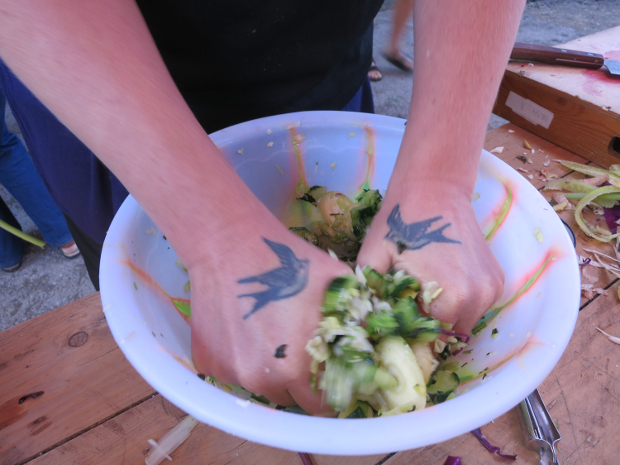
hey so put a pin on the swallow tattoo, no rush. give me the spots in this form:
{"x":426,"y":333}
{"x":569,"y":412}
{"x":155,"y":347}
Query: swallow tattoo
{"x":415,"y":235}
{"x":283,"y":282}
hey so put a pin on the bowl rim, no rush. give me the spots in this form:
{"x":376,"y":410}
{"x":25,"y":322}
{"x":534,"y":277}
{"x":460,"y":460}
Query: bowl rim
{"x":326,"y":435}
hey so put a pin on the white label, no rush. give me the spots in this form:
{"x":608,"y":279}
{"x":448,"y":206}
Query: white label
{"x":529,"y":110}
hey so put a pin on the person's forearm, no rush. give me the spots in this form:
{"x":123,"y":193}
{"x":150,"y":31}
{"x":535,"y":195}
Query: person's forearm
{"x":96,"y":67}
{"x":461,"y":49}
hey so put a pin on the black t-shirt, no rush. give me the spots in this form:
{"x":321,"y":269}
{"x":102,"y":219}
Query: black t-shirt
{"x":233,"y":61}
{"x":237,"y":60}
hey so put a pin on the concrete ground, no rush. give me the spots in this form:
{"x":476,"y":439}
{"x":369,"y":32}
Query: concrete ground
{"x":48,"y":280}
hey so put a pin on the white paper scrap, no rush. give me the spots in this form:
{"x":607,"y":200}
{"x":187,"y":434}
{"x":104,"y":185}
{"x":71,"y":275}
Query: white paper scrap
{"x":529,"y":110}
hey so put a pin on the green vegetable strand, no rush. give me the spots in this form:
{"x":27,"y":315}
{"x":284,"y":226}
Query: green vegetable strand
{"x":22,"y":235}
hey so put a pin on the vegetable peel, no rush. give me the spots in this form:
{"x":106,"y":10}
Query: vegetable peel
{"x":22,"y":235}
{"x":614,"y":339}
{"x":170,"y":441}
{"x":581,"y":221}
{"x":589,"y":169}
{"x":488,"y":446}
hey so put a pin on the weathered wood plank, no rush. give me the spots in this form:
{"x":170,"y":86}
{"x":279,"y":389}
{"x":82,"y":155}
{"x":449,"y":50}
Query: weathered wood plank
{"x":75,"y":373}
{"x":543,"y":151}
{"x":123,"y":440}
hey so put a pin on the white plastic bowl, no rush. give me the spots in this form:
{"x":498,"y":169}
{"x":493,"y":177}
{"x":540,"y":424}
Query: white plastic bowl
{"x":532,"y":332}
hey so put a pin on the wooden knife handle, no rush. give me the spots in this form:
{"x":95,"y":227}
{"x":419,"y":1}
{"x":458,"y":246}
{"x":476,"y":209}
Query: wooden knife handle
{"x":556,"y":56}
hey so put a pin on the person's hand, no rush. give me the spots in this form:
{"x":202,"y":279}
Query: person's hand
{"x":440,"y":240}
{"x":256,"y":306}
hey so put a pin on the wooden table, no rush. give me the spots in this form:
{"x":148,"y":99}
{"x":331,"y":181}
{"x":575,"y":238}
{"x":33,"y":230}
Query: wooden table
{"x":68,"y":396}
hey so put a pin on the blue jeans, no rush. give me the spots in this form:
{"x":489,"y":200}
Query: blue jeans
{"x":19,"y":176}
{"x":362,"y":101}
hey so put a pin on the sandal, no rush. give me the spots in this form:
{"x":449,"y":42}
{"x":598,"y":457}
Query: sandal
{"x":70,"y":250}
{"x":374,"y":76}
{"x":14,"y":268}
{"x":399,"y":61}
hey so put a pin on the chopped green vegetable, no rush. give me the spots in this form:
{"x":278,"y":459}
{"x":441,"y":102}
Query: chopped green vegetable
{"x":368,"y":203}
{"x":406,"y":313}
{"x":305,"y":234}
{"x":317,"y":191}
{"x":398,"y":358}
{"x":374,"y":280}
{"x":442,"y":385}
{"x":340,"y":292}
{"x":366,"y":340}
{"x":301,"y":189}
{"x":342,"y":380}
{"x":179,"y":263}
{"x":479,"y":327}
{"x":381,"y":325}
{"x":358,"y":409}
{"x":394,"y":283}
{"x":332,"y":221}
{"x":182,"y":306}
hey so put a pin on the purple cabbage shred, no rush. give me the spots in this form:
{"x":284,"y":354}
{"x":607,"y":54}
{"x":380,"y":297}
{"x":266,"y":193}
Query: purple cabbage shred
{"x":453,"y":461}
{"x":305,"y":458}
{"x":487,"y":445}
{"x":464,"y":337}
{"x":612,"y":215}
{"x":586,"y":261}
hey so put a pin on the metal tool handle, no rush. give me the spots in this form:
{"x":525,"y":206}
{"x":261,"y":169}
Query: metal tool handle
{"x":538,"y":428}
{"x":556,"y":56}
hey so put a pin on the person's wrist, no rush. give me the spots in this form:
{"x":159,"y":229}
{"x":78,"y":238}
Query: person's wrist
{"x":425,"y":160}
{"x":237,"y":234}
{"x":427,"y":195}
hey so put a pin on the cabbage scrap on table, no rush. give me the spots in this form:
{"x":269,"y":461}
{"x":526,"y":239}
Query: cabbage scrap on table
{"x":598,"y":194}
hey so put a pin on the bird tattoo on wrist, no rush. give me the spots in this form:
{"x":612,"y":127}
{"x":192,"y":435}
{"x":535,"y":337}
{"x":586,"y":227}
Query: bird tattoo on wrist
{"x":286,"y":281}
{"x":416,"y":235}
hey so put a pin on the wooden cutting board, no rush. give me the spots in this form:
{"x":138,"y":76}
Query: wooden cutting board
{"x":577,"y":109}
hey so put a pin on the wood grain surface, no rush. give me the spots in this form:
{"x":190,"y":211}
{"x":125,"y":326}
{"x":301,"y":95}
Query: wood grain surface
{"x":79,"y":377}
{"x":123,"y":441}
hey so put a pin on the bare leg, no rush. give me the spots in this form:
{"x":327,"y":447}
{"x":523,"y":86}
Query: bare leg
{"x":402,"y":13}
